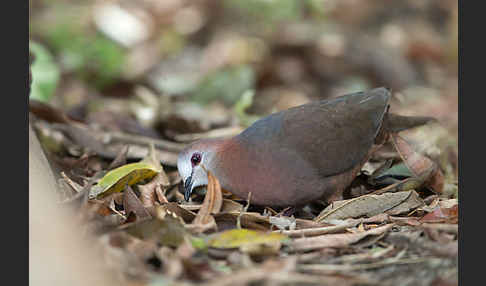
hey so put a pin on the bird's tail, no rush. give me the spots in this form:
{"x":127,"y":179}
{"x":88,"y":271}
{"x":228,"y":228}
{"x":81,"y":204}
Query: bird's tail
{"x":396,"y":123}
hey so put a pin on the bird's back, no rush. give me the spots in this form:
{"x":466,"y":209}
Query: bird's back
{"x":331,"y":135}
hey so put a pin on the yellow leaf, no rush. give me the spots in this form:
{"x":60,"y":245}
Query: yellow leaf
{"x":245,"y":238}
{"x":129,"y":174}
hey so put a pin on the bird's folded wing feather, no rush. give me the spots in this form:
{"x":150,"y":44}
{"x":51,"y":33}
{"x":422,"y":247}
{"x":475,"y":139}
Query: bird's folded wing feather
{"x":331,"y":135}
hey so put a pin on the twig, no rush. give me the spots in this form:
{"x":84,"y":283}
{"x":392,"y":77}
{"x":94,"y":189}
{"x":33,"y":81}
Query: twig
{"x":351,"y":267}
{"x":143,"y":140}
{"x":245,"y":209}
{"x":320,"y":230}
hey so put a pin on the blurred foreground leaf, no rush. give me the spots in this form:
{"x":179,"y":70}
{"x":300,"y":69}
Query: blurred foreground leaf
{"x":235,"y":238}
{"x":168,"y":231}
{"x":45,"y":73}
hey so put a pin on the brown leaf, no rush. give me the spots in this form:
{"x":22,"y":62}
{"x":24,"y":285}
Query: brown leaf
{"x":335,"y":240}
{"x":248,"y":220}
{"x":441,"y":214}
{"x":186,"y":215}
{"x":412,"y":202}
{"x":132,"y":203}
{"x":370,"y":205}
{"x":154,"y":190}
{"x":419,"y":165}
{"x":231,"y":206}
{"x":212,"y":203}
{"x":120,"y":159}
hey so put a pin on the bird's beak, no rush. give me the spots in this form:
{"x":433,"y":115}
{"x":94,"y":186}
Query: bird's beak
{"x":188,"y":188}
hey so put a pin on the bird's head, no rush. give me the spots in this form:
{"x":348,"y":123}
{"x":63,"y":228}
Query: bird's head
{"x":194,"y":162}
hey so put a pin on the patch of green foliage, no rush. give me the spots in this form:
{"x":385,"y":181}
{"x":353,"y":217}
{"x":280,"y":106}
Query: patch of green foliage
{"x":226,"y":84}
{"x":92,"y":56}
{"x":268,"y":10}
{"x":45,"y":73}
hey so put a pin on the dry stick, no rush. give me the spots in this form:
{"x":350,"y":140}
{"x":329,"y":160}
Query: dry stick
{"x":220,"y":132}
{"x":143,"y":140}
{"x":319,"y":230}
{"x":75,"y":186}
{"x":245,"y":209}
{"x":350,"y":267}
{"x":399,"y":186}
{"x":82,"y":197}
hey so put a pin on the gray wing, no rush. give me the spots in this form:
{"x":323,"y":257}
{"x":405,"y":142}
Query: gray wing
{"x":331,"y":135}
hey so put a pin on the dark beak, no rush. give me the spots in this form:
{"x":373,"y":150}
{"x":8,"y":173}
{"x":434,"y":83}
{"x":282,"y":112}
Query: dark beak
{"x":187,"y":188}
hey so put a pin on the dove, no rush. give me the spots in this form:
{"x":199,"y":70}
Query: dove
{"x":299,"y":155}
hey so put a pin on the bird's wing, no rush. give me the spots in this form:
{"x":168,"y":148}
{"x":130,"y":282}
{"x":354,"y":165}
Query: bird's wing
{"x":332,"y":135}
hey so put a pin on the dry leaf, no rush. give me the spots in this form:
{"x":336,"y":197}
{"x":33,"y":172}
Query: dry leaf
{"x":212,"y":203}
{"x":412,"y":202}
{"x":283,"y":222}
{"x":120,"y":159}
{"x":156,"y":188}
{"x":132,"y":203}
{"x":231,"y":206}
{"x":187,"y":216}
{"x":370,"y":205}
{"x":441,"y":214}
{"x":419,"y":165}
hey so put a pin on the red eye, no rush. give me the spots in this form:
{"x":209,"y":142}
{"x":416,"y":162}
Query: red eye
{"x":195,"y":159}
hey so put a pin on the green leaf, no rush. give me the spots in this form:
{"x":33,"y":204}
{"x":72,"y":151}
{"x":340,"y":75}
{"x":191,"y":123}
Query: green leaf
{"x":241,"y":105}
{"x":227,"y":84}
{"x":129,"y":174}
{"x":45,"y":73}
{"x":91,"y":56}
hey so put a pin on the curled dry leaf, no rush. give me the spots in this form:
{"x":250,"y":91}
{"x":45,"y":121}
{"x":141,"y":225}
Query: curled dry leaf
{"x":155,"y":190}
{"x":335,"y":240}
{"x":132,"y":203}
{"x":419,"y":165}
{"x":213,"y":201}
{"x":370,"y":205}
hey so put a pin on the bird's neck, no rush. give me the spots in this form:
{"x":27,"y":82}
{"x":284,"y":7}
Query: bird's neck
{"x":225,"y":157}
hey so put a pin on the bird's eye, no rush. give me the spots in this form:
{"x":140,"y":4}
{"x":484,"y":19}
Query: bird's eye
{"x":195,"y":159}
